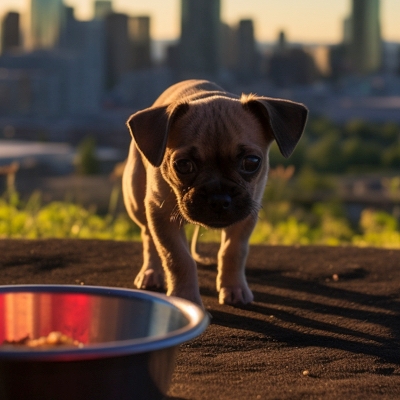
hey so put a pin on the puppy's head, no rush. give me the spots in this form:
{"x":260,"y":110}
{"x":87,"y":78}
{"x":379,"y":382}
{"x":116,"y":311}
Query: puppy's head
{"x":213,"y":152}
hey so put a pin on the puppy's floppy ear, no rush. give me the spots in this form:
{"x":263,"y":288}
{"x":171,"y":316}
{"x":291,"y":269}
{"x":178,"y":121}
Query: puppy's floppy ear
{"x":286,"y":119}
{"x":150,"y":127}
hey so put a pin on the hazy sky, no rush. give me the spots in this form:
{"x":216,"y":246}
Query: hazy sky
{"x":302,"y":20}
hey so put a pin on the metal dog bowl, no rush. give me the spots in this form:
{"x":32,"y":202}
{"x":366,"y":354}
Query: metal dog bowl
{"x":129,"y":341}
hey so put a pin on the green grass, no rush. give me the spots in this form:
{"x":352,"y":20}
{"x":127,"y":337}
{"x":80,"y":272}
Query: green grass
{"x":280,"y":223}
{"x":34,"y":220}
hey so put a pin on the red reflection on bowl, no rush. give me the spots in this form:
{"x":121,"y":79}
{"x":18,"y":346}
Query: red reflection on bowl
{"x":37,"y":314}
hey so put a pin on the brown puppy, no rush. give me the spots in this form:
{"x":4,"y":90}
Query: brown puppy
{"x":200,"y":155}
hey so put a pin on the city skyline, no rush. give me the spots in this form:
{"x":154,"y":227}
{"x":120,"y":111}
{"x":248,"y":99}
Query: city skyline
{"x":323,"y":16}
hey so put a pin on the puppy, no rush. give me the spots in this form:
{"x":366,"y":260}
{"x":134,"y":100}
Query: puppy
{"x":200,"y":155}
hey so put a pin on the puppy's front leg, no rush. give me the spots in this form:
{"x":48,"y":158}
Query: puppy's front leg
{"x":151,"y":275}
{"x":231,"y":280}
{"x":172,"y":246}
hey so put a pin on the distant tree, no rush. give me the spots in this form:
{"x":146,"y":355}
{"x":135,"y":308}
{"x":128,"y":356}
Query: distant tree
{"x":359,"y":153}
{"x":86,"y":161}
{"x":325,"y":155}
{"x":296,"y":159}
{"x":391,"y":133}
{"x":391,"y":156}
{"x":318,"y":127}
{"x":355,"y":146}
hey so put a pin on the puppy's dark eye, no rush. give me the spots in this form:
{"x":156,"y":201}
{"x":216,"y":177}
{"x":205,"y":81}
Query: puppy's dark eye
{"x":184,"y":166}
{"x":250,"y":164}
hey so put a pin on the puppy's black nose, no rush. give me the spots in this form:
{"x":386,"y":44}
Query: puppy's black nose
{"x":219,"y":202}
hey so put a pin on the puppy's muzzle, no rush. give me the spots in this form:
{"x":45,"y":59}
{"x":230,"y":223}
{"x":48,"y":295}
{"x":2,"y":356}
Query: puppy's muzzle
{"x":216,"y":207}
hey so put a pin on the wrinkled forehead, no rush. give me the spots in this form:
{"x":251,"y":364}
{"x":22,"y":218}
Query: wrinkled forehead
{"x":215,"y":122}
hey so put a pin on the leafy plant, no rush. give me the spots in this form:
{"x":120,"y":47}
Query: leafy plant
{"x":281,"y":222}
{"x":33,"y":220}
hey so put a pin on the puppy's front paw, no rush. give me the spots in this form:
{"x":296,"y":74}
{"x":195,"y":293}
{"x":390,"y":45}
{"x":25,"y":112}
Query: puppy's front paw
{"x":150,"y":279}
{"x":235,"y":295}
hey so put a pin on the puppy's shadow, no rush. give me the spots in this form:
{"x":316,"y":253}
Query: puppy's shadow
{"x":321,"y":315}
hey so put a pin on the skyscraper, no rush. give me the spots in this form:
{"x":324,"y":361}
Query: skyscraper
{"x":46,"y":21}
{"x":70,"y":35}
{"x":365,"y":49}
{"x":199,"y":46}
{"x":139,"y":36}
{"x":102,"y":8}
{"x":10,"y":32}
{"x":118,"y":48}
{"x":247,"y":53}
{"x":229,"y":46}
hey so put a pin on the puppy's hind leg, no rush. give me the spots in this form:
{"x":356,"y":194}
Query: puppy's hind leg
{"x":199,"y":258}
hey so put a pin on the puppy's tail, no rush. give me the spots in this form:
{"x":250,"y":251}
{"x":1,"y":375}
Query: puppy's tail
{"x":195,"y":254}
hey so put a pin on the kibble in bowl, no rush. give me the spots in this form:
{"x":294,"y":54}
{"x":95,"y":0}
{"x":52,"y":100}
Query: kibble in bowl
{"x":54,"y":338}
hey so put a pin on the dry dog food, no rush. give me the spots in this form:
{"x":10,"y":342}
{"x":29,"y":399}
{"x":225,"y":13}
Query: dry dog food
{"x":54,"y":338}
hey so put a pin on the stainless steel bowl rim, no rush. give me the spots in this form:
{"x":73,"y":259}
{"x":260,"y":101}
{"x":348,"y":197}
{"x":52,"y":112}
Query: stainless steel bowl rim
{"x":198,"y":322}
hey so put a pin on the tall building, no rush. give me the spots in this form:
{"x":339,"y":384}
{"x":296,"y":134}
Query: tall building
{"x":347,"y":30}
{"x":247,"y":62}
{"x":118,"y":48}
{"x":139,"y":36}
{"x":10,"y":32}
{"x":89,"y":78}
{"x":229,"y":46}
{"x":199,"y":46}
{"x":365,"y":49}
{"x":70,"y":35}
{"x":45,"y":25}
{"x":102,"y":8}
{"x":291,"y":65}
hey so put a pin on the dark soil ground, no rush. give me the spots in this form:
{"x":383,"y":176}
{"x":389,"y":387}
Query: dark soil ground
{"x":325,"y":322}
